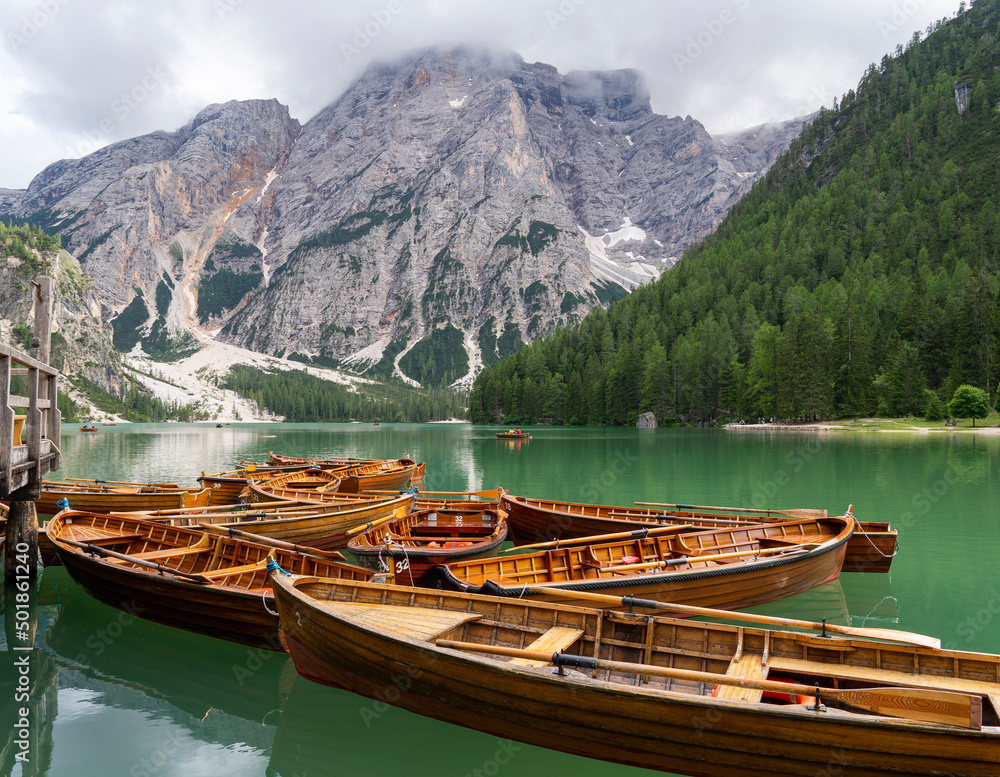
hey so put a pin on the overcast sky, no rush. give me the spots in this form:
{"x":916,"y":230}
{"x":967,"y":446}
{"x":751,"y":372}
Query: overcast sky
{"x":78,"y":74}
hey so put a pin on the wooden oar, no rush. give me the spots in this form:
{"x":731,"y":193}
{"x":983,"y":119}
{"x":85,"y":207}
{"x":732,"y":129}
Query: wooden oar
{"x":956,"y":709}
{"x":714,"y":557}
{"x":231,"y":532}
{"x":396,"y":514}
{"x":667,"y":518}
{"x":806,"y":514}
{"x":622,"y":535}
{"x":97,"y":549}
{"x":123,"y":483}
{"x":649,"y":604}
{"x":494,"y":494}
{"x":663,"y":563}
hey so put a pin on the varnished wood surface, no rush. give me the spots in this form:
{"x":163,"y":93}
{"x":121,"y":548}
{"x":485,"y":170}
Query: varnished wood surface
{"x":541,"y":520}
{"x":412,"y":545}
{"x":648,"y":721}
{"x":795,"y":556}
{"x":232,"y":604}
{"x":323,"y":524}
{"x":107,"y":498}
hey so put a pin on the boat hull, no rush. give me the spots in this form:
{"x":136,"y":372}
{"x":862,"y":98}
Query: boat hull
{"x":872,"y":548}
{"x":241,"y":609}
{"x":126,"y":500}
{"x":459,"y":535}
{"x":728,"y":587}
{"x":533,"y":520}
{"x":325,"y":529}
{"x":655,"y":729}
{"x":236,"y":616}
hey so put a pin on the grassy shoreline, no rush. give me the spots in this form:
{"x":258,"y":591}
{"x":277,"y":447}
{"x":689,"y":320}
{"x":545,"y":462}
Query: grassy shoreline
{"x":910,"y":425}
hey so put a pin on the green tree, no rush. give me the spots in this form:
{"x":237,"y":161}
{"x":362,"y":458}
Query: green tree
{"x":969,"y":402}
{"x":934,"y":409}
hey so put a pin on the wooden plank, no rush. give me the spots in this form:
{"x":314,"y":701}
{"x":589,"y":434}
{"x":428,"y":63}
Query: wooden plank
{"x":886,"y":676}
{"x":750,"y":666}
{"x":414,"y":622}
{"x":159,"y":555}
{"x":555,"y":640}
{"x":19,"y":357}
{"x":933,"y":706}
{"x":215,"y":574}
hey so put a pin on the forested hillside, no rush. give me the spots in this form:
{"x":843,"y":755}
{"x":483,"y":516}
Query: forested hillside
{"x":859,"y":276}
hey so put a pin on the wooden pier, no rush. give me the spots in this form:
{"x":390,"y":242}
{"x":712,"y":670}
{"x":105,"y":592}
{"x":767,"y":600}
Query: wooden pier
{"x":22,"y":466}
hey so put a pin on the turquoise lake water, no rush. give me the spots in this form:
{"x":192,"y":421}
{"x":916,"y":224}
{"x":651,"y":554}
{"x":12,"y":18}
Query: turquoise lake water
{"x":115,"y":695}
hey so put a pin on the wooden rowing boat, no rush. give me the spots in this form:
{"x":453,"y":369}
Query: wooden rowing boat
{"x":181,"y":577}
{"x":636,"y":703}
{"x":107,"y":497}
{"x":324,"y":481}
{"x":411,"y":546}
{"x":729,"y":568}
{"x":228,"y":487}
{"x":513,"y":435}
{"x":290,"y":488}
{"x":363,"y":474}
{"x":317,"y":525}
{"x":391,"y":474}
{"x":870,"y":549}
{"x":279,"y":459}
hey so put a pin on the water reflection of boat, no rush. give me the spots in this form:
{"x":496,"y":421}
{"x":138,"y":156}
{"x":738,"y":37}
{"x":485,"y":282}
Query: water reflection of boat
{"x":317,"y":720}
{"x":197,"y":675}
{"x":870,"y":599}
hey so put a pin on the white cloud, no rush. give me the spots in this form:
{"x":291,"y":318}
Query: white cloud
{"x":748,"y":61}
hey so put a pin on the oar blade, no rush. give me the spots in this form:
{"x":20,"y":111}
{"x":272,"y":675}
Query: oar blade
{"x":888,"y":635}
{"x":932,"y":706}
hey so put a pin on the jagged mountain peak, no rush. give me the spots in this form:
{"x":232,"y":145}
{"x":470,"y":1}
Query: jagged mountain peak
{"x":451,"y":204}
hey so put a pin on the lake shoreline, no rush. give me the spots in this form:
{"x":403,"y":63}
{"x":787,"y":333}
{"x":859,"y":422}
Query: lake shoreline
{"x":849,"y":426}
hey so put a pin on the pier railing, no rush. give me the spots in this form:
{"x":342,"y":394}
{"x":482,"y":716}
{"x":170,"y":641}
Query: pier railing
{"x":26,"y":465}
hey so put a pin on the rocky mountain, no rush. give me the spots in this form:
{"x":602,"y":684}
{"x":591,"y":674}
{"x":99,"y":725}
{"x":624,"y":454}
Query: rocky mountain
{"x":78,"y":346}
{"x":445,"y":209}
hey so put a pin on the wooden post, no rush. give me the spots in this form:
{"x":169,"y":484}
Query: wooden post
{"x":41,"y":343}
{"x":21,"y":537}
{"x":21,"y":540}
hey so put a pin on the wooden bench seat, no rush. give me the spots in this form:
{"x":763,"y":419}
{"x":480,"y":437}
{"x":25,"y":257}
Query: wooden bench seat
{"x":412,"y":622}
{"x":160,"y":555}
{"x":889,"y":677}
{"x":554,"y":640}
{"x":114,"y":539}
{"x":215,"y":574}
{"x":749,"y":666}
